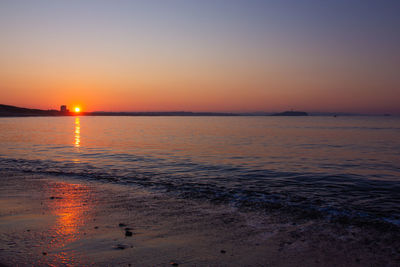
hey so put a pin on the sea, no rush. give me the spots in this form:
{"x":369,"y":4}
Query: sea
{"x":335,"y":167}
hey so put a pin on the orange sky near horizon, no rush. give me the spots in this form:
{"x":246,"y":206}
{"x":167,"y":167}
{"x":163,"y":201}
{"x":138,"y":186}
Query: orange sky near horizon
{"x":238,"y":60}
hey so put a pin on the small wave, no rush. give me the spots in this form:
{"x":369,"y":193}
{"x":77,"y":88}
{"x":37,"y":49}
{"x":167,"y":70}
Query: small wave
{"x":307,"y":194}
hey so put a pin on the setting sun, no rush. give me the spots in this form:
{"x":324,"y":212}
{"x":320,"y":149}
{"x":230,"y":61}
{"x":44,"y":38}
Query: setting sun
{"x":77,"y":109}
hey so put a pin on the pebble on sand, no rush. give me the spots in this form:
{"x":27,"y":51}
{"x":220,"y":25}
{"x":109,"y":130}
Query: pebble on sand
{"x":128,"y":233}
{"x":121,"y":246}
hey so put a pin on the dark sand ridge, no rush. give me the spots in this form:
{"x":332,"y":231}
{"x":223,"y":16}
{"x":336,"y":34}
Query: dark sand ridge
{"x":47,"y":220}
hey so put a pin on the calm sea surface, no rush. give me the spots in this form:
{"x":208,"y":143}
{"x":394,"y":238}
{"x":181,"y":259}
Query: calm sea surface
{"x":344,"y":166}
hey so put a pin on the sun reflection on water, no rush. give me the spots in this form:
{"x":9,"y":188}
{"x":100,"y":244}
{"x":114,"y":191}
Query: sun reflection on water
{"x":77,"y":132}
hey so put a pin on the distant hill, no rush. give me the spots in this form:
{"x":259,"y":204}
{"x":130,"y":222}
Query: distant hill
{"x":291,"y":113}
{"x":12,"y":111}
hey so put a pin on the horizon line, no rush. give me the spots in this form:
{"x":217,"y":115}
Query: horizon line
{"x":223,"y":112}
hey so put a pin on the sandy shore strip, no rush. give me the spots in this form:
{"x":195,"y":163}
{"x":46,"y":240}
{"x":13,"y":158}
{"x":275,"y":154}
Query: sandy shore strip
{"x":59,"y":221}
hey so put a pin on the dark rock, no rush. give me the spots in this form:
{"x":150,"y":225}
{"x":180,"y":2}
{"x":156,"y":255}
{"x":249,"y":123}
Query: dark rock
{"x":96,"y":227}
{"x":223,"y":251}
{"x":128,"y":233}
{"x":228,"y":220}
{"x":121,"y":225}
{"x":174,"y":264}
{"x":121,"y":246}
{"x":44,"y":253}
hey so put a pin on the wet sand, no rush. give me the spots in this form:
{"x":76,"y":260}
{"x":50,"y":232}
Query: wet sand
{"x":58,"y":221}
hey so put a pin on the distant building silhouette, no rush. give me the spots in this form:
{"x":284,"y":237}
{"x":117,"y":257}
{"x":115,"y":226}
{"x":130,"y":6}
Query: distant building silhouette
{"x":63,"y":108}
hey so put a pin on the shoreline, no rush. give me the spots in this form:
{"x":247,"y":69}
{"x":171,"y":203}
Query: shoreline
{"x":64,"y":221}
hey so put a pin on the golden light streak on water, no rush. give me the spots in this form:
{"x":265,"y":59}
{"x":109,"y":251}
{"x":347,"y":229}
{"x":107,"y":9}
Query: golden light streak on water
{"x":77,"y":142}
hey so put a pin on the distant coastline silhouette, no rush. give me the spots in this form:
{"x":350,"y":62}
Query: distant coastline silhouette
{"x":13,"y":111}
{"x":291,"y":113}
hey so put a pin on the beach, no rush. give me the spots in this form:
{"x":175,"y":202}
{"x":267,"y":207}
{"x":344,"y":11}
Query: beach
{"x":199,"y":133}
{"x":50,"y":220}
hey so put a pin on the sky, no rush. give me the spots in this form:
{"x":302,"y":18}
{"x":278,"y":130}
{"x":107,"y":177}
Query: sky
{"x":222,"y":56}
